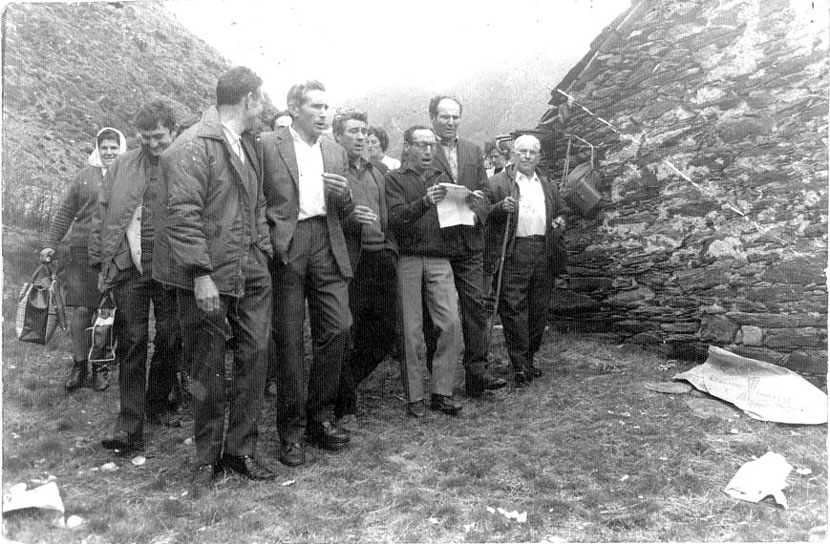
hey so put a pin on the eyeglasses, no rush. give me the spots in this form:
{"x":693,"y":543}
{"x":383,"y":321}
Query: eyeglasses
{"x":424,"y":145}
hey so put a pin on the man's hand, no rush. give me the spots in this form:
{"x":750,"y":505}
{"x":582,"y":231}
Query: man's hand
{"x":46,"y":254}
{"x":435,"y":194}
{"x":477,"y":202}
{"x":206,"y":294}
{"x":364,"y":215}
{"x":509,"y":205}
{"x":336,"y":185}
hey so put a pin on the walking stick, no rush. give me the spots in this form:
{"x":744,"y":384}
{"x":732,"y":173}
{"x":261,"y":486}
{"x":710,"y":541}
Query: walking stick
{"x":498,"y":280}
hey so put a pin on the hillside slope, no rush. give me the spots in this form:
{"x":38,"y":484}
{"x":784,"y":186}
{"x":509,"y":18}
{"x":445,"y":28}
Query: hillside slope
{"x":69,"y":69}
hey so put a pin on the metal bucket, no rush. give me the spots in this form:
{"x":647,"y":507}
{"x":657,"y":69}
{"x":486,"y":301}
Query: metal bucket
{"x":580,"y":188}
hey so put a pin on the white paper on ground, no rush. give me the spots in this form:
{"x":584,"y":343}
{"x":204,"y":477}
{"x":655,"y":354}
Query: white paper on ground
{"x":45,"y":496}
{"x":453,"y":209}
{"x":763,"y":390}
{"x":760,"y":478}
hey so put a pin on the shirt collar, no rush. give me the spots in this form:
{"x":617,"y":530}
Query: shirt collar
{"x":522,"y":177}
{"x":452,"y":144}
{"x":297,"y":138}
{"x":230,"y":134}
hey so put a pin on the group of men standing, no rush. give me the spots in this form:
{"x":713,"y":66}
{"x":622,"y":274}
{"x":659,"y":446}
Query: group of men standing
{"x":221,"y":226}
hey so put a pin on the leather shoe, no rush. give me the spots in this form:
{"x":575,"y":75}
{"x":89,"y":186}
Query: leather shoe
{"x":77,"y":376}
{"x":534,"y":372}
{"x":328,"y":436}
{"x":476,"y":385}
{"x":247,"y":466}
{"x":522,"y":378}
{"x":100,"y":376}
{"x":165,"y":418}
{"x":445,"y":404}
{"x":124,"y":442}
{"x":291,"y":454}
{"x":416,"y":409}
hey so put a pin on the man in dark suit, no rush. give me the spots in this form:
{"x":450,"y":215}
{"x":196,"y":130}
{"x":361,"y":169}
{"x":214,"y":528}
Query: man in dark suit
{"x":308,"y":195}
{"x":463,"y":163}
{"x":531,"y":203}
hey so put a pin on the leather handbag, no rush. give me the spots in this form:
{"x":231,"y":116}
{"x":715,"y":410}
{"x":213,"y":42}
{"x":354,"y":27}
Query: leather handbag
{"x":103,"y":344}
{"x":40,"y":307}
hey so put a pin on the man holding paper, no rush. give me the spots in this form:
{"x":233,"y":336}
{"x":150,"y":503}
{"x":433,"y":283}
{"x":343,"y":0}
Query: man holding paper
{"x":462,"y":164}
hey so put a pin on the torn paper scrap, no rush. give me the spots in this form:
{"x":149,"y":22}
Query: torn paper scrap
{"x":763,"y":390}
{"x":45,"y":496}
{"x":453,"y":209}
{"x":761,"y":478}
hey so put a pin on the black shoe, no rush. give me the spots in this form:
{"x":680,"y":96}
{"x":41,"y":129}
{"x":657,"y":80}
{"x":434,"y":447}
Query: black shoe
{"x":247,"y":466}
{"x":522,"y":378}
{"x":77,"y":376}
{"x":203,"y":478}
{"x":476,"y":385}
{"x":100,"y":377}
{"x":445,"y":404}
{"x":124,"y":442}
{"x":328,"y":436}
{"x":416,"y":409}
{"x":292,"y":454}
{"x":165,"y":418}
{"x":534,"y":372}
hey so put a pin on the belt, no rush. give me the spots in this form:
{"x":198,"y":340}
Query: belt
{"x":534,"y":238}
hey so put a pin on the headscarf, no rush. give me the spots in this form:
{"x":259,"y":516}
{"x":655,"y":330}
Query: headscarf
{"x":95,"y":157}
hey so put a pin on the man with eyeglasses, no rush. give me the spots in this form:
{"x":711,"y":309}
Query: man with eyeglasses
{"x":532,"y":205}
{"x":424,"y":270}
{"x":125,"y":227}
{"x":461,"y":162}
{"x":373,"y":291}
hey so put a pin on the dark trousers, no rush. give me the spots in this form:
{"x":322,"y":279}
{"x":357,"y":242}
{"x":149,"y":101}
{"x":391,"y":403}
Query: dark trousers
{"x":241,"y":393}
{"x":523,"y":303}
{"x":311,"y":274}
{"x":133,"y":293}
{"x":468,"y":273}
{"x":373,"y":301}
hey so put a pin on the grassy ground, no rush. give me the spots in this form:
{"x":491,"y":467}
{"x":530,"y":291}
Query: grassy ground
{"x":587,"y":452}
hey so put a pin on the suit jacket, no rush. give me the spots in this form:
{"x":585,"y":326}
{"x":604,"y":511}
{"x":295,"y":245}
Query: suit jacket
{"x":503,"y":185}
{"x":472,"y":175}
{"x":282,"y":194}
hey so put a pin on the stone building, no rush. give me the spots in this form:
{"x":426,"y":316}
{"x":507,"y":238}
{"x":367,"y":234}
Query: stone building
{"x":712,"y":227}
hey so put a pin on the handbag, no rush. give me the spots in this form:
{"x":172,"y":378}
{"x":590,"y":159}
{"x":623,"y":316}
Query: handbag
{"x":40,"y":307}
{"x":103,"y":344}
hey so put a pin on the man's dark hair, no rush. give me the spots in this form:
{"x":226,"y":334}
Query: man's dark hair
{"x":381,"y":135}
{"x":407,"y":134}
{"x":108,"y":134}
{"x":235,"y":84}
{"x":435,"y":100}
{"x":154,"y":114}
{"x":338,"y":124}
{"x":296,"y":94}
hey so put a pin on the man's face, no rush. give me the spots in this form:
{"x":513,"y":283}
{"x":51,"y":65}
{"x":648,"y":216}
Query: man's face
{"x":310,"y":118}
{"x":496,"y":159}
{"x":254,"y":109}
{"x":445,"y":122}
{"x":108,"y":150}
{"x":353,"y":138}
{"x":373,"y":147}
{"x":421,"y":150}
{"x":155,"y":141}
{"x":526,"y":157}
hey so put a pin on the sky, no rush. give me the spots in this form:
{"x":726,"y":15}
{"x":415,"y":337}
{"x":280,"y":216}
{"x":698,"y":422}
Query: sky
{"x":359,"y":45}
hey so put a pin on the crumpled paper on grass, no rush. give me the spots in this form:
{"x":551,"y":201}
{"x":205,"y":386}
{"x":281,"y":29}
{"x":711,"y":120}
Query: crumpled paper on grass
{"x":763,"y":390}
{"x":45,"y":496}
{"x":761,"y":478}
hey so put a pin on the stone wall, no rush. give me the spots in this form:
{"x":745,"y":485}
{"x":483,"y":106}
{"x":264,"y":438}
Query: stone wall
{"x":734,"y":95}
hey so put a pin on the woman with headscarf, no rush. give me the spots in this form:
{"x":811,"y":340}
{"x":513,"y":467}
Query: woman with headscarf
{"x":74,"y":216}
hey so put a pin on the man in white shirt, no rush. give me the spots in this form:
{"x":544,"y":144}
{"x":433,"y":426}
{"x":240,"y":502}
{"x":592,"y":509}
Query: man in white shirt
{"x":308,"y":195}
{"x":532,"y":205}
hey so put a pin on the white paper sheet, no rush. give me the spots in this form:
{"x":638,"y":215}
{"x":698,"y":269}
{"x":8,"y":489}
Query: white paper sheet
{"x":453,"y":209}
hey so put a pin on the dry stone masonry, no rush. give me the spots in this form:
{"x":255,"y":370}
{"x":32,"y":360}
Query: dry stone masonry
{"x":734,"y":95}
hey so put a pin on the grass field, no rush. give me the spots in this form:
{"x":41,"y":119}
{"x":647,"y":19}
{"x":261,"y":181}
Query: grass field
{"x":587,"y":453}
